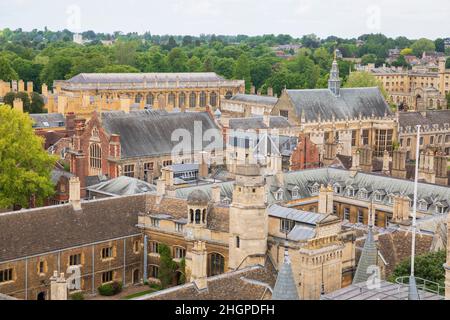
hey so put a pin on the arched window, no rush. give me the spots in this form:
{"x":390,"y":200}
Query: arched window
{"x":95,"y":155}
{"x":138,"y":98}
{"x":181,"y":100}
{"x":202,"y":99}
{"x":213,"y":99}
{"x":171,"y":99}
{"x":204,"y":216}
{"x":192,"y":100}
{"x":150,"y":99}
{"x":191,"y":213}
{"x":228,"y":95}
{"x":198,"y":217}
{"x":216,"y":264}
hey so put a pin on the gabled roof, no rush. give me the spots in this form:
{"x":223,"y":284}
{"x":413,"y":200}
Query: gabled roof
{"x":149,"y":133}
{"x":351,"y":102}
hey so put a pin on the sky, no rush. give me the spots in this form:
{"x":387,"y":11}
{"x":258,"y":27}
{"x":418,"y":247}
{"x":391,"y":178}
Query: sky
{"x":343,"y":18}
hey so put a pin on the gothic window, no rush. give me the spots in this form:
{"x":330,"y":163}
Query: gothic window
{"x":213,"y":99}
{"x":198,"y":217}
{"x":192,"y":100}
{"x":181,"y":100}
{"x":353,"y":138}
{"x":383,"y":142}
{"x":95,"y":156}
{"x":138,"y":98}
{"x":171,"y":99}
{"x":365,"y":137}
{"x":408,"y":142}
{"x":216,"y":264}
{"x":202,"y":99}
{"x":179,"y":252}
{"x":154,"y":272}
{"x":228,"y":95}
{"x":150,"y":99}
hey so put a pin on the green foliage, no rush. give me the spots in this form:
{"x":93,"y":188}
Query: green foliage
{"x":25,"y":167}
{"x":242,"y":70}
{"x":77,"y":296}
{"x":182,"y":270}
{"x":34,"y":105}
{"x":448,"y":100}
{"x":110,"y":289}
{"x":155,"y":286}
{"x":406,"y":52}
{"x":7,"y":73}
{"x":118,"y":69}
{"x":422,"y":45}
{"x":167,"y":267}
{"x":177,"y":60}
{"x":439,"y":44}
{"x":428,"y":266}
{"x":363,"y":79}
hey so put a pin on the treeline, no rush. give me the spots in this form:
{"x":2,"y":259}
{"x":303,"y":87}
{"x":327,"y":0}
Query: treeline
{"x":45,"y":56}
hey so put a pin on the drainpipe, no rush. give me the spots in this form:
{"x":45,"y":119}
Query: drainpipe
{"x":145,"y":258}
{"x":124,"y":262}
{"x":26,"y":279}
{"x":93,"y":269}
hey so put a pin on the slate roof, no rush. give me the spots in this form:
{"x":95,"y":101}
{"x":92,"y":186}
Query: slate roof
{"x":252,"y":283}
{"x":122,"y":186}
{"x":253,"y":98}
{"x":285,"y":287}
{"x":101,"y":78}
{"x":149,"y":133}
{"x":58,"y":173}
{"x":350,"y":103}
{"x":36,"y":231}
{"x":369,"y":257}
{"x":258,"y":123}
{"x":431,"y":117}
{"x":48,"y":120}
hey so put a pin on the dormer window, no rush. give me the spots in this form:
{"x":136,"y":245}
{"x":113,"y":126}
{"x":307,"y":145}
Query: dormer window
{"x":440,"y":209}
{"x":351,"y":192}
{"x":315,"y":189}
{"x":378,"y":197}
{"x":363,"y":194}
{"x":423,"y":205}
{"x":337,"y":189}
{"x":279,"y":195}
{"x":295,"y":193}
{"x":391,"y":199}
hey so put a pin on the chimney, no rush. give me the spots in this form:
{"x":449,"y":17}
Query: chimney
{"x":160,"y":187}
{"x":30,"y":87}
{"x":365,"y":159}
{"x":326,"y":199}
{"x":426,"y":166}
{"x":440,"y":165}
{"x":74,"y":193}
{"x":203,"y":167}
{"x":18,"y":105}
{"x":399,"y":164}
{"x":386,"y":161}
{"x":400,"y":212}
{"x":355,"y":162}
{"x":199,"y":263}
{"x":58,"y":287}
{"x":270,"y":91}
{"x":215,"y":193}
{"x":252,"y":90}
{"x":44,"y":90}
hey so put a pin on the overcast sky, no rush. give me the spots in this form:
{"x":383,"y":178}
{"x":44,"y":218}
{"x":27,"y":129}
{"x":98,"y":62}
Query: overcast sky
{"x":344,"y":18}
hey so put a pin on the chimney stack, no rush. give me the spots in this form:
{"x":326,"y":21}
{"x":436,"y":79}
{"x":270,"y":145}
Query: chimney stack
{"x":58,"y":287}
{"x":386,"y":161}
{"x":215,"y":193}
{"x":199,"y":265}
{"x":399,"y":164}
{"x":30,"y":87}
{"x":270,"y":91}
{"x":74,"y":193}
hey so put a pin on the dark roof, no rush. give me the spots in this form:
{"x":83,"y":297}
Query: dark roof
{"x":96,"y":78}
{"x":350,"y":103}
{"x":369,"y":257}
{"x":58,"y":173}
{"x":252,"y":283}
{"x":430,"y":118}
{"x":148,"y":133}
{"x":258,"y":123}
{"x":121,"y":186}
{"x":285,"y":287}
{"x":48,"y":120}
{"x":197,"y":197}
{"x":36,"y":231}
{"x":253,"y":98}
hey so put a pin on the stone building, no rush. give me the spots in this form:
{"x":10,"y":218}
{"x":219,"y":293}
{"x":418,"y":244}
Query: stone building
{"x":139,"y":144}
{"x":247,"y":105}
{"x":435,"y":131}
{"x":15,"y":86}
{"x":85,"y":93}
{"x":416,"y":90}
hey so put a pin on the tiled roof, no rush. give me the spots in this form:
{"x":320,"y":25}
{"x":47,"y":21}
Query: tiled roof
{"x":122,"y":186}
{"x":30,"y":232}
{"x":257,"y":99}
{"x":48,"y":120}
{"x":258,"y":123}
{"x":431,"y":117}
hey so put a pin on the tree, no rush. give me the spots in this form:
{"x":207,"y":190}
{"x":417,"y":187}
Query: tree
{"x":37,"y":103}
{"x":117,"y":68}
{"x":177,"y":60}
{"x":422,"y":45}
{"x":439,"y":44}
{"x":25,"y":167}
{"x":406,"y":52}
{"x":363,"y":79}
{"x":167,"y":267}
{"x":448,"y":100}
{"x":242,"y":71}
{"x":368,"y":58}
{"x":7,"y":73}
{"x":125,"y":52}
{"x":58,"y":67}
{"x":447,"y":63}
{"x":428,"y":266}
{"x":194,"y":64}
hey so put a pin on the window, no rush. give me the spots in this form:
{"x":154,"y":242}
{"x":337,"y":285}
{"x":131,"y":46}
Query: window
{"x":347,"y":214}
{"x":423,"y":206}
{"x":136,"y":247}
{"x":363,"y":194}
{"x":228,"y":95}
{"x":351,"y":192}
{"x":377,"y":218}
{"x":150,"y":99}
{"x":213,"y":99}
{"x":365,"y":137}
{"x":179,"y":253}
{"x":360,"y":216}
{"x":238,"y":242}
{"x":154,"y":246}
{"x":315,"y":189}
{"x":154,"y":222}
{"x":440,"y":209}
{"x":337,"y":189}
{"x":295,"y":193}
{"x":171,"y":99}
{"x":181,"y":100}
{"x":192,"y":100}
{"x":179,"y":227}
{"x":107,"y":276}
{"x":95,"y":156}
{"x":431,"y":139}
{"x":421,"y":141}
{"x":408,"y":142}
{"x":128,"y":170}
{"x":354,"y":138}
{"x":286,"y":225}
{"x":378,"y":197}
{"x":148,"y":170}
{"x":154,"y":272}
{"x":202,"y":99}
{"x":107,"y":253}
{"x":42,"y":267}
{"x":6,"y":275}
{"x":335,"y":209}
{"x":167,"y":163}
{"x":284,"y":113}
{"x":383,"y":141}
{"x":390,"y":199}
{"x":279,"y":195}
{"x":216,"y":264}
{"x":75,"y":259}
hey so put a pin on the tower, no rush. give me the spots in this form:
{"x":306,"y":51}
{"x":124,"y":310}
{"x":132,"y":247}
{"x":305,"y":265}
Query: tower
{"x":248,"y":218}
{"x":334,"y":82}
